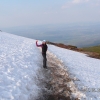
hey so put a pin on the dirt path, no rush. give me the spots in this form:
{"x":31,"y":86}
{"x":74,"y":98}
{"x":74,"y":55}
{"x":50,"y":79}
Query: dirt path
{"x":60,"y":81}
{"x":56,"y":83}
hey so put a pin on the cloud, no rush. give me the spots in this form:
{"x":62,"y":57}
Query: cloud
{"x":67,"y":5}
{"x":76,"y":1}
{"x":79,"y":1}
{"x":96,"y":3}
{"x":73,"y":2}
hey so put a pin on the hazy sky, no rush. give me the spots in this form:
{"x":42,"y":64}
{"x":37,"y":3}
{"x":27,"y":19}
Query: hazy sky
{"x":38,"y":12}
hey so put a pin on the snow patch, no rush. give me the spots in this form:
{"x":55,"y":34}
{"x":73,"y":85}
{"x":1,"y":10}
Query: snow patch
{"x":20,"y":61}
{"x":84,"y":71}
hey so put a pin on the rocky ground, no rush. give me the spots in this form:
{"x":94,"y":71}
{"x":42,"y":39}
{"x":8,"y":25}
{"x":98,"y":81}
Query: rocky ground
{"x":56,"y":81}
{"x":59,"y":79}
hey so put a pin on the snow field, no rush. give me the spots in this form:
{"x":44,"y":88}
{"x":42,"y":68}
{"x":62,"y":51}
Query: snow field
{"x":84,"y":70}
{"x":19,"y":65}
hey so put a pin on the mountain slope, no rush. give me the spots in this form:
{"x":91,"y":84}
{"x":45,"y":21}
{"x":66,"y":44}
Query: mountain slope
{"x":22,"y":76}
{"x":20,"y":61}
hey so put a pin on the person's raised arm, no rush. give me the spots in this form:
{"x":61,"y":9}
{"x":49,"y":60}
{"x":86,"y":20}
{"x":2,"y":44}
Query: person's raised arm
{"x":37,"y":44}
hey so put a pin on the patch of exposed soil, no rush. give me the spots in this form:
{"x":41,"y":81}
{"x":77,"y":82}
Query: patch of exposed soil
{"x":59,"y":80}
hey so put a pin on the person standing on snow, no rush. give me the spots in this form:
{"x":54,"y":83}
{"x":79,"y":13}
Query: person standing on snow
{"x":44,"y":50}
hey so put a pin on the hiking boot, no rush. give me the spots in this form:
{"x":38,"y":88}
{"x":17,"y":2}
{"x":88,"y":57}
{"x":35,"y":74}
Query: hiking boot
{"x":45,"y":67}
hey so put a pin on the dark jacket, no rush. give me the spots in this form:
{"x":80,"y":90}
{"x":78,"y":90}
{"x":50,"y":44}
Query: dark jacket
{"x":43,"y":46}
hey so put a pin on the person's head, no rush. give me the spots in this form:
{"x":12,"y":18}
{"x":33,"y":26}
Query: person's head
{"x":44,"y":42}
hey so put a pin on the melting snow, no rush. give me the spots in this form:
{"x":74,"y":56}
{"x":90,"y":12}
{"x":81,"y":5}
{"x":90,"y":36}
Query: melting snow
{"x":84,"y":70}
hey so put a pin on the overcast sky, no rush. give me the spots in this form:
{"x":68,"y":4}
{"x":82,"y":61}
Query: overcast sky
{"x":37,"y":12}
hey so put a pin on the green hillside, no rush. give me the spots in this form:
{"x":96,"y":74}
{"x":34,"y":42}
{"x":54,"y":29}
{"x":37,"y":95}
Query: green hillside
{"x":92,"y":49}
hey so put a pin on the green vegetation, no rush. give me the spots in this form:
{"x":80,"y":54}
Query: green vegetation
{"x":92,"y":49}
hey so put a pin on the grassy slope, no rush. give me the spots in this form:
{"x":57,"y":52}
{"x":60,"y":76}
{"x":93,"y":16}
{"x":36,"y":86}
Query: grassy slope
{"x":92,"y":49}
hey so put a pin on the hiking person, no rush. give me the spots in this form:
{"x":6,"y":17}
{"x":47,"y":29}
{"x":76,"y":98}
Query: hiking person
{"x":44,"y":49}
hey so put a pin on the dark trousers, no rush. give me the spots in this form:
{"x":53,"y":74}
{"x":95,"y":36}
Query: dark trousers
{"x":44,"y":60}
